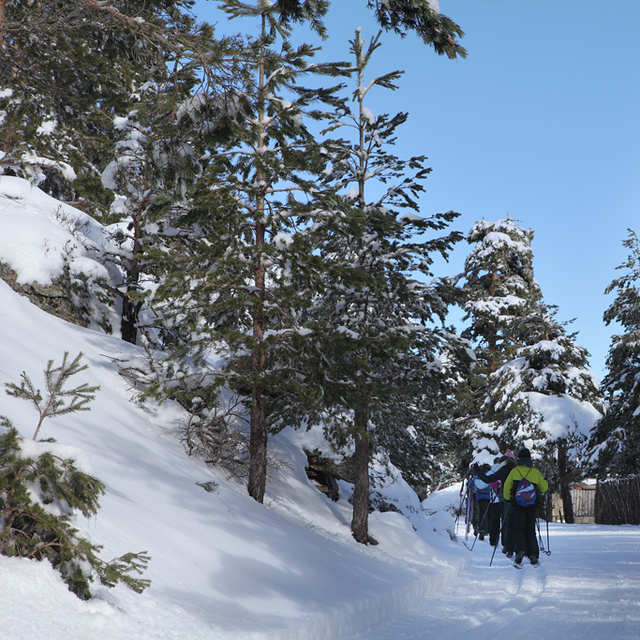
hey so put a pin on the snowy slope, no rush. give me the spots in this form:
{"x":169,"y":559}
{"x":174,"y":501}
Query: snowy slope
{"x":222,"y":565}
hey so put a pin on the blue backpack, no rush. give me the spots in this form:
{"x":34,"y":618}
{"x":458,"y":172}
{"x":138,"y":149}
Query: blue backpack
{"x":526,"y":492}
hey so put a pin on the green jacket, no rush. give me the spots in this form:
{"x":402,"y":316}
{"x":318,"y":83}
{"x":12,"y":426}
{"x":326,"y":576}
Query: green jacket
{"x":533,"y":476}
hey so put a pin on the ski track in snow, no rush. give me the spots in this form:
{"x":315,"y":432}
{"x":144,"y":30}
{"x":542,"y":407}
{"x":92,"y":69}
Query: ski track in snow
{"x":566,"y":597}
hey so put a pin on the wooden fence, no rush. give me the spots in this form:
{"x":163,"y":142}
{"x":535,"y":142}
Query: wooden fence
{"x":617,"y":501}
{"x":583,"y":501}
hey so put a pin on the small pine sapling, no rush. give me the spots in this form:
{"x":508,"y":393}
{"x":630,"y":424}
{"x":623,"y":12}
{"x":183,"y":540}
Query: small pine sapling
{"x":41,"y":490}
{"x":59,"y":401}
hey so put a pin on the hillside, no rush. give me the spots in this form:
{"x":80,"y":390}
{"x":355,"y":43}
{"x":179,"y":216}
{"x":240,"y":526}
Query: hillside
{"x":222,"y":565}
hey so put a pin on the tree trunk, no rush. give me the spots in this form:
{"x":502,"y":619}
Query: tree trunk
{"x":259,"y":436}
{"x":360,"y":520}
{"x":565,"y":488}
{"x":131,"y":309}
{"x":258,"y":447}
{"x":129,"y":320}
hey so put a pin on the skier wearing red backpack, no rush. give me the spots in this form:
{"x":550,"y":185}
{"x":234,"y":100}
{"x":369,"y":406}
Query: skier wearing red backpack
{"x":521,"y":488}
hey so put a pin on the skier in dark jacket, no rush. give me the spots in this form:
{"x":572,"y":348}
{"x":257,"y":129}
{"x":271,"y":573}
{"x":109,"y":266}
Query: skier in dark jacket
{"x":498,"y":510}
{"x":523,"y":518}
{"x":482,"y":494}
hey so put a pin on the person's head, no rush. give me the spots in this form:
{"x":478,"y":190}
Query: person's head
{"x":510,"y":458}
{"x":524,"y":457}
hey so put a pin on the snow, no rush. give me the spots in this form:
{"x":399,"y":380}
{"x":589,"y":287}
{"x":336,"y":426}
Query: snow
{"x":226,"y":568}
{"x":587,"y":588}
{"x":46,"y":128}
{"x":368,"y":115}
{"x":36,"y":239}
{"x":563,"y":414}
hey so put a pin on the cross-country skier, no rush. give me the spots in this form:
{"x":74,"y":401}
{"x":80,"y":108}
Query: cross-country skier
{"x":496,"y":477}
{"x":523,"y":511}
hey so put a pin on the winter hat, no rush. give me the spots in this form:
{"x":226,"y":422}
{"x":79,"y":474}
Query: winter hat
{"x":510,"y":454}
{"x":524,"y":456}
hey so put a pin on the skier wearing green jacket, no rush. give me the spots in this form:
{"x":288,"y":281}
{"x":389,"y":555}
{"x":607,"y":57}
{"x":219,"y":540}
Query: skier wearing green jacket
{"x":522,"y":517}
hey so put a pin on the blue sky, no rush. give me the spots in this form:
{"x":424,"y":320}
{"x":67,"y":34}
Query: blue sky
{"x":540,"y":122}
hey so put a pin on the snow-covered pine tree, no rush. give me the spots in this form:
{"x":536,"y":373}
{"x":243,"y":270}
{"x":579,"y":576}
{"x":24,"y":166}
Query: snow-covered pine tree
{"x":546,"y":399}
{"x":424,"y":18}
{"x":376,"y":316}
{"x":499,"y":291}
{"x":165,"y":144}
{"x":241,"y":242}
{"x":66,"y":70}
{"x":74,"y":76}
{"x":615,"y":441}
{"x":42,"y":490}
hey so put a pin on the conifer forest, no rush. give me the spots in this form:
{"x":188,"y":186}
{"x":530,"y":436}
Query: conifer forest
{"x":271,"y":257}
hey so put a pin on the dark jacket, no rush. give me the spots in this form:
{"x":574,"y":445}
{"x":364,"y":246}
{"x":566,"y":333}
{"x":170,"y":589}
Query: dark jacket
{"x":499,"y":475}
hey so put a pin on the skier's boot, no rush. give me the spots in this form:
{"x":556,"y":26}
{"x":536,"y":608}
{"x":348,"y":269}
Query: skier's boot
{"x":517,"y":562}
{"x":534,"y":561}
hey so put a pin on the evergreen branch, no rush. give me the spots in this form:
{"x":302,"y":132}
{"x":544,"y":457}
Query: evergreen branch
{"x":120,"y":570}
{"x":55,"y":379}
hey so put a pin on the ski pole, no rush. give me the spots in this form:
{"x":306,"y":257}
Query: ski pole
{"x":469,"y":509}
{"x":548,"y":545}
{"x":459,"y":511}
{"x":493,"y":554}
{"x":540,"y":543}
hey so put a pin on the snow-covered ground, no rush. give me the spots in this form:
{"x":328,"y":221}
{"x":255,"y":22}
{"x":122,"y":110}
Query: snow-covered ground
{"x":587,"y":589}
{"x":224,"y":567}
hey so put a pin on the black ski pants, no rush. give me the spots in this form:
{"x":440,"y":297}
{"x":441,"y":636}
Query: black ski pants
{"x":480,"y":519}
{"x":507,"y":529}
{"x":522,"y":521}
{"x":495,"y":518}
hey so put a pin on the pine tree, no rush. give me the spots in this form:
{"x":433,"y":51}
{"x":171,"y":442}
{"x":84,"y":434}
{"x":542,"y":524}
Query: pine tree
{"x":164,"y":146}
{"x":615,"y":441}
{"x":547,"y":399}
{"x":423,"y":17}
{"x":89,"y":93}
{"x":374,"y":316}
{"x":59,"y":400}
{"x":499,"y":292}
{"x":241,"y":233}
{"x":42,"y":490}
{"x":66,"y":70}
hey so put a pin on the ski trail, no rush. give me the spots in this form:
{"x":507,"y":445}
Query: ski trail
{"x":587,"y":589}
{"x":524,"y":600}
{"x":483,"y":601}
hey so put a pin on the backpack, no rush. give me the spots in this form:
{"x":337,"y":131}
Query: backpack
{"x":526,"y":492}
